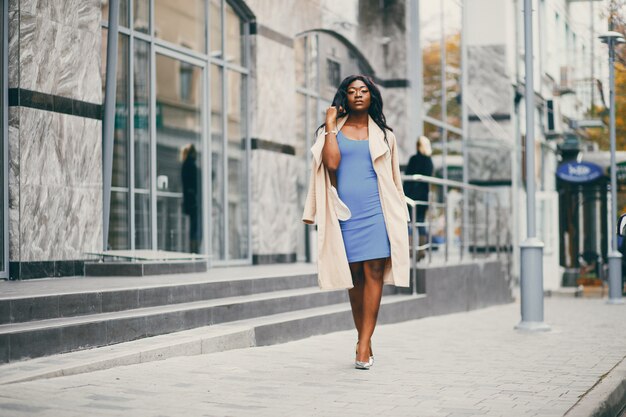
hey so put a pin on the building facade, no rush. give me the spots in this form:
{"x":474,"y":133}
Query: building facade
{"x":216,"y":104}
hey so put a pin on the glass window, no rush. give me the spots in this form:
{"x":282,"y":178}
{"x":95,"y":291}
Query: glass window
{"x":122,"y":125}
{"x":143,"y":237}
{"x":215,"y":11}
{"x":431,"y":31}
{"x":118,"y":221}
{"x":181,"y":23}
{"x":217,"y":166}
{"x":123,"y":15}
{"x":237,"y":169}
{"x":141,"y":15}
{"x":180,"y":138}
{"x":234,"y":36}
{"x":179,"y":159}
{"x":142,"y":114}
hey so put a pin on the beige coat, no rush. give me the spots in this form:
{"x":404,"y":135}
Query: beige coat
{"x":332,"y":263}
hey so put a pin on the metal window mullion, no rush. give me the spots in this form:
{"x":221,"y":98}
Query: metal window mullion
{"x":131,"y":136}
{"x":224,"y":136}
{"x":207,"y":201}
{"x":248,"y":155}
{"x":464,"y":128}
{"x":153,"y":134}
{"x":5,"y":139}
{"x":444,"y":117}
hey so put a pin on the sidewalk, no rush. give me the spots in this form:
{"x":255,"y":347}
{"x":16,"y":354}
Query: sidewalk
{"x":462,"y":364}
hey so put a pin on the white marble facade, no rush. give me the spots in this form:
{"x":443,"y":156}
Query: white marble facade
{"x":55,"y":168}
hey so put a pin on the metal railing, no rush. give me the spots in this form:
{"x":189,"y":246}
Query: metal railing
{"x":462,"y":221}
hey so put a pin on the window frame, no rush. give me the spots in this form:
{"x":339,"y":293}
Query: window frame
{"x":157,"y":45}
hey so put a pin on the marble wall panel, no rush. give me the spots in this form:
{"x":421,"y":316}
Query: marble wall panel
{"x":58,"y":222}
{"x":274,"y":207}
{"x":56,"y":203}
{"x":39,"y":45}
{"x":275,"y":94}
{"x":14,"y":186}
{"x":89,"y":15}
{"x":488,"y":78}
{"x":59,"y":53}
{"x":395,"y":108}
{"x":288,"y":17}
{"x":64,"y":12}
{"x":60,"y":150}
{"x":14,"y":67}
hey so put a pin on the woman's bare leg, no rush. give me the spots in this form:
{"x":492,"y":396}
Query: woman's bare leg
{"x":372,"y":293}
{"x":356,"y":294}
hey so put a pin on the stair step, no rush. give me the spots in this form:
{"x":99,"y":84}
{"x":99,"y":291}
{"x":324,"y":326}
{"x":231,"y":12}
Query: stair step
{"x":63,"y":302}
{"x":260,"y":331}
{"x":46,"y":337}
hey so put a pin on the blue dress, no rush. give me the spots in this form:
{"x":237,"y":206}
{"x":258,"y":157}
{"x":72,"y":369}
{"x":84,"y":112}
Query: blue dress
{"x":364,"y":234}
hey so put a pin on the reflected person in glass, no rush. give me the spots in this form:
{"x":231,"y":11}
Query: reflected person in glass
{"x":367,"y":247}
{"x":190,"y":176}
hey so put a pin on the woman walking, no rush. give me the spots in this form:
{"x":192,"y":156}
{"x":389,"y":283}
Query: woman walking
{"x":356,"y":153}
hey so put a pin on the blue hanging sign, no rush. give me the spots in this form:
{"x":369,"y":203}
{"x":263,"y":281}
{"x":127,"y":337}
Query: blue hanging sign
{"x":579,"y":172}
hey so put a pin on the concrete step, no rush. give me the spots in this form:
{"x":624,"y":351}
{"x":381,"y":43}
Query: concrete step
{"x":52,"y":336}
{"x":258,"y":331}
{"x":65,"y":302}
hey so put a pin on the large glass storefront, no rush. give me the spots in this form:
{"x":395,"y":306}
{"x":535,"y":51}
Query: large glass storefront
{"x":181,"y":150}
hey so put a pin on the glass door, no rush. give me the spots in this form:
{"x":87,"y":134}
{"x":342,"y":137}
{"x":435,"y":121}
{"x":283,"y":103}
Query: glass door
{"x":180,"y":105}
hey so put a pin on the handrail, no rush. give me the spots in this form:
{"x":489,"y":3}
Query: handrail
{"x":440,"y":181}
{"x":484,"y":211}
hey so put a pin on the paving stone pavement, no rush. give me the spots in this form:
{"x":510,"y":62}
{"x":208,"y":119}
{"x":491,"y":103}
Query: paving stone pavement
{"x":466,"y":364}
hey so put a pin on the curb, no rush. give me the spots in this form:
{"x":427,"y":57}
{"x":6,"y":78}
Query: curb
{"x":607,"y":398}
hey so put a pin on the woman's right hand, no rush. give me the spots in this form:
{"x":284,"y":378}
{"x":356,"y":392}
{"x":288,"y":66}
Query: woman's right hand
{"x":331,"y":115}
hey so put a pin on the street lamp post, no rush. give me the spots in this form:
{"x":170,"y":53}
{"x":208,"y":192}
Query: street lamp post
{"x":615,"y":257}
{"x":531,"y":250}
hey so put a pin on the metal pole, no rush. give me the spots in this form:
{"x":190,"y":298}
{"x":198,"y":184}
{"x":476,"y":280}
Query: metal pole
{"x":615,"y":257}
{"x":415,"y":242}
{"x":108,"y":122}
{"x":531,"y":285}
{"x":465,"y":128}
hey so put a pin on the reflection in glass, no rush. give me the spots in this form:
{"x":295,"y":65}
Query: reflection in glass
{"x":122,"y":125}
{"x":234,"y":36}
{"x":217,"y":166}
{"x":142,"y":114}
{"x":181,"y":23}
{"x":431,"y":33}
{"x":123,"y":15}
{"x":118,"y":221}
{"x":215,"y":10}
{"x":142,"y":221}
{"x":302,"y":179}
{"x":237,"y":169}
{"x":179,"y":160}
{"x":141,"y":15}
{"x":452,"y":23}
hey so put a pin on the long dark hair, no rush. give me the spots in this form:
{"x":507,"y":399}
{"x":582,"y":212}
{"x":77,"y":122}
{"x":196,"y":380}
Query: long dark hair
{"x":376,"y":105}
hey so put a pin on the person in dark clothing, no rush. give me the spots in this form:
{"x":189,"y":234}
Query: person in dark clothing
{"x":421,"y":164}
{"x":190,"y":176}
